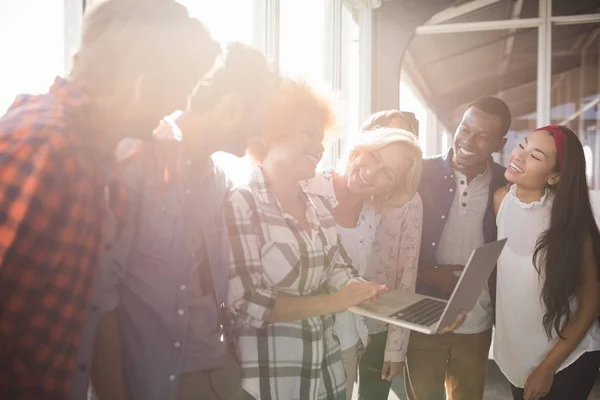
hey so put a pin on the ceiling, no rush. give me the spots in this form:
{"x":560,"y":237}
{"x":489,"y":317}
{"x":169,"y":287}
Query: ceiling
{"x":452,"y":70}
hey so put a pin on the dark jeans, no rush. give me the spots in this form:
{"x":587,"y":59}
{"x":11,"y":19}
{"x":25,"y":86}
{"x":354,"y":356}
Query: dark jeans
{"x":574,"y":382}
{"x":370,"y":384}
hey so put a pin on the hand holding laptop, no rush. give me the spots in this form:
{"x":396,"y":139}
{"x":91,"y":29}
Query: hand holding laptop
{"x":460,"y":319}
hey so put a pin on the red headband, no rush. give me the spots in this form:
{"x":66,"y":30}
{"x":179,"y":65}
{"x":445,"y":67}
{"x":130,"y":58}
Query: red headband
{"x":560,"y":140}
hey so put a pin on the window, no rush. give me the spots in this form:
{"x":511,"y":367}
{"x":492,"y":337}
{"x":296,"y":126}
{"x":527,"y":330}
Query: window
{"x":33,"y":47}
{"x":227,"y":20}
{"x":302,"y":38}
{"x":350,"y":78}
{"x":575,"y":90}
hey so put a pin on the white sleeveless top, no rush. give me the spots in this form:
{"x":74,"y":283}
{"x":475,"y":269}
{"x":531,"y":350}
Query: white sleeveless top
{"x":520,"y":341}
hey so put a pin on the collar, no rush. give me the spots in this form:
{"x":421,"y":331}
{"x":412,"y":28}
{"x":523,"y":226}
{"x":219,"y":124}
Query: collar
{"x":86,"y":124}
{"x":546,"y":199}
{"x":258,"y":183}
{"x":496,"y":169}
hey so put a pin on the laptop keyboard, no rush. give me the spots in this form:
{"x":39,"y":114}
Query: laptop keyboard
{"x":424,"y":312}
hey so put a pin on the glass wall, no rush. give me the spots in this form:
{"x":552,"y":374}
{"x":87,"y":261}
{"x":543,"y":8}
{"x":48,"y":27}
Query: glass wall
{"x":576,"y":89}
{"x":227,"y":20}
{"x":33,"y":47}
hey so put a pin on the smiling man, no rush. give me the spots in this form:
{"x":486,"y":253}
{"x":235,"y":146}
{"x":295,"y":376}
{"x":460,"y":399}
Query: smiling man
{"x":458,"y":216}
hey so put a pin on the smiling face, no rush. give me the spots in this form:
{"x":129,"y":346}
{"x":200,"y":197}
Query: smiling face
{"x":297,"y":153}
{"x":476,"y":138}
{"x":378,"y":171}
{"x":533,"y":162}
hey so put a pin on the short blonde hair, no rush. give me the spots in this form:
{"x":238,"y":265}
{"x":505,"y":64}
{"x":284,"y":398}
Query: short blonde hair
{"x":377,"y":139}
{"x":293,"y":101}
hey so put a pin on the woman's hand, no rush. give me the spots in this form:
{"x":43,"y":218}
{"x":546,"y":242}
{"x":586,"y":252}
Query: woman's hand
{"x":391,"y":369}
{"x":539,"y":382}
{"x":355,"y":293}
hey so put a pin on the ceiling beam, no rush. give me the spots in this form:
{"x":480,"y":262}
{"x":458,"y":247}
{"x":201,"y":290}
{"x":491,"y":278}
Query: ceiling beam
{"x":510,"y":41}
{"x":457,"y":11}
{"x":478,"y":26}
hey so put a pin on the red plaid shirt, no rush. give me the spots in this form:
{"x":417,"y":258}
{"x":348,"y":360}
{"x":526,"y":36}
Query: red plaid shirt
{"x":54,"y":177}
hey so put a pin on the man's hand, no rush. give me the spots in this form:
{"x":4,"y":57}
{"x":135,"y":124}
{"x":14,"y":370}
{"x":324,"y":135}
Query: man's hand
{"x":391,"y":369}
{"x":460,"y":319}
{"x":444,"y":277}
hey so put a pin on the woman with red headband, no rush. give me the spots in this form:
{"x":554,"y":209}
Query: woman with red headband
{"x":547,"y":338}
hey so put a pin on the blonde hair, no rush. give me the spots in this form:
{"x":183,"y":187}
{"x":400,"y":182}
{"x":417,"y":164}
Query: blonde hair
{"x":292,"y":101}
{"x":121,"y":39}
{"x":377,"y":139}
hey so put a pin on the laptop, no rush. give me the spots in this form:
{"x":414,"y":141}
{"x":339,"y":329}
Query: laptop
{"x":427,"y":314}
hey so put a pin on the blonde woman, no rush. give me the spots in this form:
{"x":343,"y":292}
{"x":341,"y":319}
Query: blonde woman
{"x":378,"y":215}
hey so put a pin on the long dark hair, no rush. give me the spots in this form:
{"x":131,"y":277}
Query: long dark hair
{"x":558,"y":254}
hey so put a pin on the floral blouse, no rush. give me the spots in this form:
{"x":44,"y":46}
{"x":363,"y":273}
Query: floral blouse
{"x":389,"y":254}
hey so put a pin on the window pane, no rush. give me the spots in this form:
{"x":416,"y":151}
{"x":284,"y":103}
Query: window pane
{"x":453,"y":70}
{"x":576,"y":88}
{"x":33,"y":47}
{"x":302,"y":38}
{"x":227,"y":20}
{"x":350,"y":77}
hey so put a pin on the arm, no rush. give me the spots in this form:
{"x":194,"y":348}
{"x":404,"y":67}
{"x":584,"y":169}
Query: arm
{"x":586,"y":314}
{"x":22,"y":167}
{"x":499,"y":196}
{"x":407,"y":261}
{"x":107,"y":367}
{"x":251,"y":298}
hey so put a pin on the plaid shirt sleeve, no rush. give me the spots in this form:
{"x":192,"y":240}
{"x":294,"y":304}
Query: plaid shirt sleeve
{"x":341,"y":272}
{"x":410,"y":220}
{"x":250,"y":299}
{"x":22,"y":167}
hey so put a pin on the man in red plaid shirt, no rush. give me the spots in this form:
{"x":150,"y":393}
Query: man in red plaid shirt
{"x":137,"y":62}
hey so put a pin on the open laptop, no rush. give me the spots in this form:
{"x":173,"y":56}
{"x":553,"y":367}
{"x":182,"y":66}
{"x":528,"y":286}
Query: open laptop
{"x":426,"y":314}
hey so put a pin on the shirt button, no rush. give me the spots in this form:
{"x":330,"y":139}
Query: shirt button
{"x":182,"y":287}
{"x":180,"y":312}
{"x":451,"y":189}
{"x":443,"y":217}
{"x":172,"y":378}
{"x":177,"y":344}
{"x":464,"y":204}
{"x":462,"y":182}
{"x":433,"y":244}
{"x":465,"y":193}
